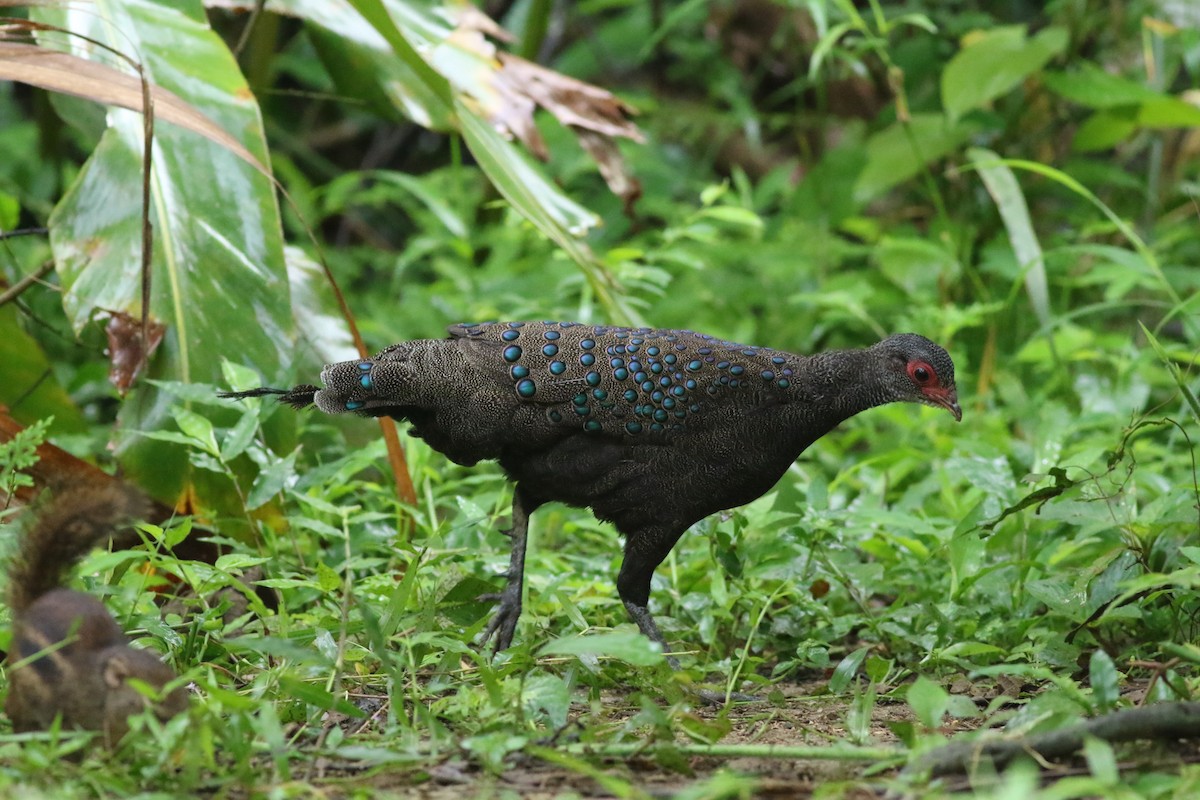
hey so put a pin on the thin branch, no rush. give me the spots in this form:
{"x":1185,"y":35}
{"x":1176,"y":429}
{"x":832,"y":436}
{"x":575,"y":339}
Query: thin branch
{"x":1165,"y":721}
{"x":23,"y":232}
{"x":14,"y":291}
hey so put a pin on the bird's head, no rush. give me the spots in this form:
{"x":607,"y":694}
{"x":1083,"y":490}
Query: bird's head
{"x":918,"y":371}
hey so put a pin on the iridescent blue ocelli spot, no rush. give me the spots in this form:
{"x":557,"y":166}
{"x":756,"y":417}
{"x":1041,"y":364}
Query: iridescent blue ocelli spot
{"x":592,"y":378}
{"x":630,"y":395}
{"x":353,"y":405}
{"x":621,"y":335}
{"x":694,"y":408}
{"x":704,"y":351}
{"x":550,"y":350}
{"x":724,"y":380}
{"x":694,"y":366}
{"x":526,"y":388}
{"x":633,"y":427}
{"x":787,"y":372}
{"x":670,"y":358}
{"x":565,"y":325}
{"x":621,"y":374}
{"x":736,"y":369}
{"x":648,"y":386}
{"x":516,"y":324}
{"x":512,"y":353}
{"x":632,"y":347}
{"x":519,"y":372}
{"x":634,"y":365}
{"x":365,"y":380}
{"x":657,"y":396}
{"x":587,"y":344}
{"x":668,"y":402}
{"x":691,"y":384}
{"x":555,"y":416}
{"x":592,"y":425}
{"x":550,"y":336}
{"x":656,"y":427}
{"x":616,"y":362}
{"x":711,"y":390}
{"x":636,"y":341}
{"x":664,"y":381}
{"x":557,"y":367}
{"x":767,"y":375}
{"x":783,"y":383}
{"x":749,"y":352}
{"x":681,"y":347}
{"x":777,"y":360}
{"x":653,"y":351}
{"x":580,"y":399}
{"x":599,"y":394}
{"x":365,"y":366}
{"x":587,"y":359}
{"x":510,"y":335}
{"x":678,"y":391}
{"x":722,"y":365}
{"x":656,"y":367}
{"x":735,"y":383}
{"x":582,"y":411}
{"x":639,"y":376}
{"x":619,"y":349}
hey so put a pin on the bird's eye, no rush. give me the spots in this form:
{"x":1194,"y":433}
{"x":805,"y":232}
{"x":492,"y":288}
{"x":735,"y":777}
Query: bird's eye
{"x":921,"y":373}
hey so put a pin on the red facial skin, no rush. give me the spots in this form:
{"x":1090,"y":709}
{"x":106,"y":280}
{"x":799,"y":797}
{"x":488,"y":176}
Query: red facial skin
{"x":927,"y":379}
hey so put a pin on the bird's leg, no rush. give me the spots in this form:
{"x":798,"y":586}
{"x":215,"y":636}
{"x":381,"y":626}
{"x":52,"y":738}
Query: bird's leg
{"x":644,"y":551}
{"x":504,"y":622}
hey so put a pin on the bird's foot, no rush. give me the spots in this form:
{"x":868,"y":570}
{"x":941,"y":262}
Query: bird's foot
{"x":504,"y":621}
{"x":645,"y":622}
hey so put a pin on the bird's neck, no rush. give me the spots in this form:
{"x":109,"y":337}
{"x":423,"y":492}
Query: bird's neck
{"x":842,"y":383}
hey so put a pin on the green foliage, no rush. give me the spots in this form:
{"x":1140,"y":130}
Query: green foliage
{"x":1017,"y":184}
{"x":19,"y":454}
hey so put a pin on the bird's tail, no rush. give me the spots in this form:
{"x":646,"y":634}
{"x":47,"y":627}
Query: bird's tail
{"x":367,"y":386}
{"x":404,"y":376}
{"x":297,"y":397}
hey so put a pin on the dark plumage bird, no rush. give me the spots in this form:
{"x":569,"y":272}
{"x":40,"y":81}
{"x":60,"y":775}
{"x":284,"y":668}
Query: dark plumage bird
{"x":652,"y":429}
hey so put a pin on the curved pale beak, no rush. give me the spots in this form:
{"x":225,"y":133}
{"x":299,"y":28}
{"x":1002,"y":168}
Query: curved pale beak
{"x":946,"y":398}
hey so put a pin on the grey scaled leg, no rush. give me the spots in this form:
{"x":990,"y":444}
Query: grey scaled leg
{"x":504,"y":622}
{"x":644,"y":551}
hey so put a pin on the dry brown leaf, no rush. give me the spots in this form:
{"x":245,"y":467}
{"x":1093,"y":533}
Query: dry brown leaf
{"x":127,"y":353}
{"x":91,"y":80}
{"x":612,"y":167}
{"x":595,"y":115}
{"x":572,"y":102}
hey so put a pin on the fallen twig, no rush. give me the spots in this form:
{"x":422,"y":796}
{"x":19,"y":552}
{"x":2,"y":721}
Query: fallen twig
{"x":1167,"y":721}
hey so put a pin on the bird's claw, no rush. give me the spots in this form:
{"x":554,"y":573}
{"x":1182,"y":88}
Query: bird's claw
{"x":503,"y":624}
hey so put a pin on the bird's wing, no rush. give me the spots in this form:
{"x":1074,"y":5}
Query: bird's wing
{"x":640,"y":382}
